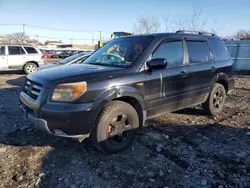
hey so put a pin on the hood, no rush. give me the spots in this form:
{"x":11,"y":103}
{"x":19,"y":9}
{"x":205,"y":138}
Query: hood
{"x":71,"y":73}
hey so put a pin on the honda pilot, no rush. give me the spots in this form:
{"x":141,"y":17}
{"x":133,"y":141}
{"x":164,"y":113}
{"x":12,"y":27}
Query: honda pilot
{"x":126,"y":82}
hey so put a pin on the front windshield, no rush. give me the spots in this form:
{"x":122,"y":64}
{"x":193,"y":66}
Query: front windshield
{"x":69,"y":59}
{"x":121,"y":52}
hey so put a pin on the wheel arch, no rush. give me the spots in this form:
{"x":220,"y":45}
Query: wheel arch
{"x":222,"y":79}
{"x":224,"y":83}
{"x":30,"y":62}
{"x":136,"y":105}
{"x":126,"y":94}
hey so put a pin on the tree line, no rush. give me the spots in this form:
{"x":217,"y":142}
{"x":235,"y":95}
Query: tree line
{"x":193,"y":22}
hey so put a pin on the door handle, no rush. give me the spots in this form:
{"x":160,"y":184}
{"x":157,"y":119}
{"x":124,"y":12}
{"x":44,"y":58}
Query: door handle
{"x":183,"y":74}
{"x":213,"y":69}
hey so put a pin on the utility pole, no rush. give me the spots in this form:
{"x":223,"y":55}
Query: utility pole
{"x":37,"y":37}
{"x":100,"y":35}
{"x":24,"y":28}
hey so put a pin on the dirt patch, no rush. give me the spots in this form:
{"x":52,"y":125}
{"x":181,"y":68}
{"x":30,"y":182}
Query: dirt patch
{"x":181,"y":149}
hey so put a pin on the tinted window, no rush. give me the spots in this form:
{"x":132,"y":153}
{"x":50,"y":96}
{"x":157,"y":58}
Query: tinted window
{"x":2,"y":50}
{"x":30,"y":50}
{"x":15,"y":50}
{"x":219,"y":49}
{"x":196,"y":51}
{"x":171,"y":51}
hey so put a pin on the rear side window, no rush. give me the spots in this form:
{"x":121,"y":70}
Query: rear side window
{"x":15,"y":50}
{"x":219,"y":50}
{"x":171,"y":51}
{"x":196,"y":51}
{"x":30,"y":50}
{"x":2,"y":50}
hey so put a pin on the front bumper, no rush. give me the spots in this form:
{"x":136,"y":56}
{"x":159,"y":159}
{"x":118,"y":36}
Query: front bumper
{"x":41,"y":63}
{"x":59,"y":119}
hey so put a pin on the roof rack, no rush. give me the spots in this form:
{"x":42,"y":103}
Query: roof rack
{"x":197,"y":32}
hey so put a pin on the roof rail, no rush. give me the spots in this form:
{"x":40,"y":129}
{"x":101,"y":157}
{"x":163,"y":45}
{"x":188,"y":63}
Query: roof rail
{"x":197,"y":32}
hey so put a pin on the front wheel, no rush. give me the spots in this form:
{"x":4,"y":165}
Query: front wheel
{"x":116,"y":127}
{"x":215,"y":101}
{"x":30,"y":67}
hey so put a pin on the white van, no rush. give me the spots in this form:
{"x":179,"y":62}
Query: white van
{"x":20,"y":57}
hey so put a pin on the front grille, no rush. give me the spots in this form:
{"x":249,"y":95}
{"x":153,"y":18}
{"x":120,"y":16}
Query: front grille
{"x":32,"y":89}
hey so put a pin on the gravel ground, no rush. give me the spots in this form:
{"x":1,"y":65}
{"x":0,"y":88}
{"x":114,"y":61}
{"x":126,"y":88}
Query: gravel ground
{"x":181,"y":149}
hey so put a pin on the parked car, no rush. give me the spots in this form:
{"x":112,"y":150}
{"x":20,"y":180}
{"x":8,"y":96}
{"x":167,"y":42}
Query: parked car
{"x":48,"y":54}
{"x":74,"y":59}
{"x":126,"y":82}
{"x":20,"y":57}
{"x":56,"y":53}
{"x":64,"y":54}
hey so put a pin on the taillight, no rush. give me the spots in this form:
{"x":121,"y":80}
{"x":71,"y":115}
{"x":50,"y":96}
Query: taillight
{"x":42,"y":56}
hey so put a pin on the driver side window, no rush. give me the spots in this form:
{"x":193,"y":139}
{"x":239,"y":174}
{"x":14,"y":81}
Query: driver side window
{"x":171,"y":51}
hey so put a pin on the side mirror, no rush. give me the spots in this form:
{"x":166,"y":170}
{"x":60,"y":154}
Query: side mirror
{"x":157,"y":63}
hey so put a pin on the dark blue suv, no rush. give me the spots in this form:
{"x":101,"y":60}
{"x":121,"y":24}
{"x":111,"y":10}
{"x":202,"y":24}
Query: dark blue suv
{"x":126,"y":82}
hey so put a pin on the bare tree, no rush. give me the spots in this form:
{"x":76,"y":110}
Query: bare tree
{"x":243,"y":34}
{"x":216,"y":27}
{"x":145,"y":25}
{"x":179,"y":25}
{"x":17,"y":38}
{"x":196,"y":23}
{"x":167,"y":22}
{"x":192,"y":22}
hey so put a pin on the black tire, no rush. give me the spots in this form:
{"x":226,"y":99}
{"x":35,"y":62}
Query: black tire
{"x":110,"y":122}
{"x":215,"y":101}
{"x":30,"y":67}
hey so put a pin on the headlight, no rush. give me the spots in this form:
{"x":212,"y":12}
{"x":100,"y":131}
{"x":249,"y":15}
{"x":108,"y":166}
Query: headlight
{"x":69,"y":92}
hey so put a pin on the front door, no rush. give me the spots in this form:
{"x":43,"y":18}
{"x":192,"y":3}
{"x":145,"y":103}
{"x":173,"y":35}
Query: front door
{"x":16,"y":57}
{"x":166,"y":88}
{"x":3,"y":59}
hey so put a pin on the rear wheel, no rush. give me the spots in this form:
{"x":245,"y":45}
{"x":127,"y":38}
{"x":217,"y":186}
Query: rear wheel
{"x":30,"y":67}
{"x":116,"y":127}
{"x":216,"y":99}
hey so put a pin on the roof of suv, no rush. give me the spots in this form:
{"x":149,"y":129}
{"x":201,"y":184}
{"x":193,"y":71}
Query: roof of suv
{"x":205,"y":35}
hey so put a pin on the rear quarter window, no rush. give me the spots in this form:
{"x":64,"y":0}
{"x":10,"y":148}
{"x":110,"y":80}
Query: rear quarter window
{"x":31,"y":50}
{"x":196,"y":51}
{"x":219,"y":50}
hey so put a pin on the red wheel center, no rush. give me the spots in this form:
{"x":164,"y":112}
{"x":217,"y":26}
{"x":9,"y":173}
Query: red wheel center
{"x":109,"y":128}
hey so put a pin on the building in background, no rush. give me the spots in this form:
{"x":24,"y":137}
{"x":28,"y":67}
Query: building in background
{"x":52,"y":44}
{"x":76,"y":46}
{"x":2,"y":40}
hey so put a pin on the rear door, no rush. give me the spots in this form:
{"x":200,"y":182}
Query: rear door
{"x":3,"y":58}
{"x":200,"y":71}
{"x":33,"y":54}
{"x":16,"y":57}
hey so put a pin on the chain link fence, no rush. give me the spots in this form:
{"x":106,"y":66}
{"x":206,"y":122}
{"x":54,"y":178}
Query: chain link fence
{"x":240,"y":53}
